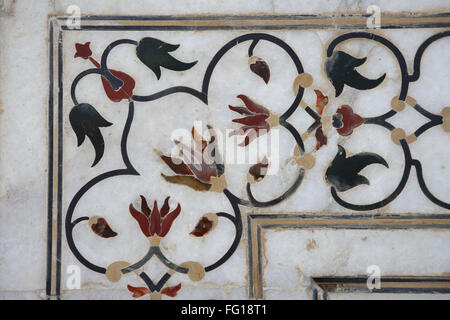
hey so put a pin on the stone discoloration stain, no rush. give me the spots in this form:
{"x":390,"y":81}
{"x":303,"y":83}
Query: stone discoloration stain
{"x":6,"y":7}
{"x":311,"y":245}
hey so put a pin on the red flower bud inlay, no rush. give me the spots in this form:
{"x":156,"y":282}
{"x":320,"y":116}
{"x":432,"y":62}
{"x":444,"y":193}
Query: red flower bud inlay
{"x":155,"y":221}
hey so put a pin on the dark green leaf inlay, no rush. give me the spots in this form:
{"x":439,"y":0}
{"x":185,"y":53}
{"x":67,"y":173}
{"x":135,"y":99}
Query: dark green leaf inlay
{"x":343,"y":172}
{"x":154,"y":54}
{"x":340,"y":70}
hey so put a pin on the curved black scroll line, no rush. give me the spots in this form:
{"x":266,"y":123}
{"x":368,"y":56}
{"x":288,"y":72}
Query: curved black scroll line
{"x":203,"y":96}
{"x":370,"y":36}
{"x":154,"y":250}
{"x":237,"y":222}
{"x":78,"y":78}
{"x":286,"y":194}
{"x":129,"y":170}
{"x":379,"y":120}
{"x":435,"y":120}
{"x":419,"y":53}
{"x":423,"y":186}
{"x":115,"y":83}
{"x":406,"y":78}
{"x":298,"y":180}
{"x":235,"y":201}
{"x":155,"y":287}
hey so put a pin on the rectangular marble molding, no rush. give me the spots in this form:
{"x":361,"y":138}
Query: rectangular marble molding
{"x":362,"y":166}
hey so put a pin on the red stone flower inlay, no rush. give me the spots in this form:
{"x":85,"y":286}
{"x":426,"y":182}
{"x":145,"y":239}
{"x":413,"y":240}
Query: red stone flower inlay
{"x":254,"y":124}
{"x":350,"y":120}
{"x":142,"y":291}
{"x":83,"y":50}
{"x":155,"y":222}
{"x":124,"y":92}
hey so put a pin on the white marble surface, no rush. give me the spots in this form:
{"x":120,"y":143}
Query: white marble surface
{"x":293,"y":258}
{"x":247,"y":7}
{"x":24,"y":158}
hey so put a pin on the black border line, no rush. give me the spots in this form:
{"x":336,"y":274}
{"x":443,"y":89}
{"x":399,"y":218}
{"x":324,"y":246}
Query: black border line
{"x":218,"y":17}
{"x":254,"y":27}
{"x":251,"y":17}
{"x":60,"y":166}
{"x":250,"y":255}
{"x":48,"y":283}
{"x":338,"y":216}
{"x":405,"y":279}
{"x":324,"y":282}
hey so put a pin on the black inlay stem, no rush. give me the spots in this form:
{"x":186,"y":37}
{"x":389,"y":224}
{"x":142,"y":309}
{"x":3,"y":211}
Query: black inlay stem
{"x":237,"y":221}
{"x":129,"y":170}
{"x":115,"y":83}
